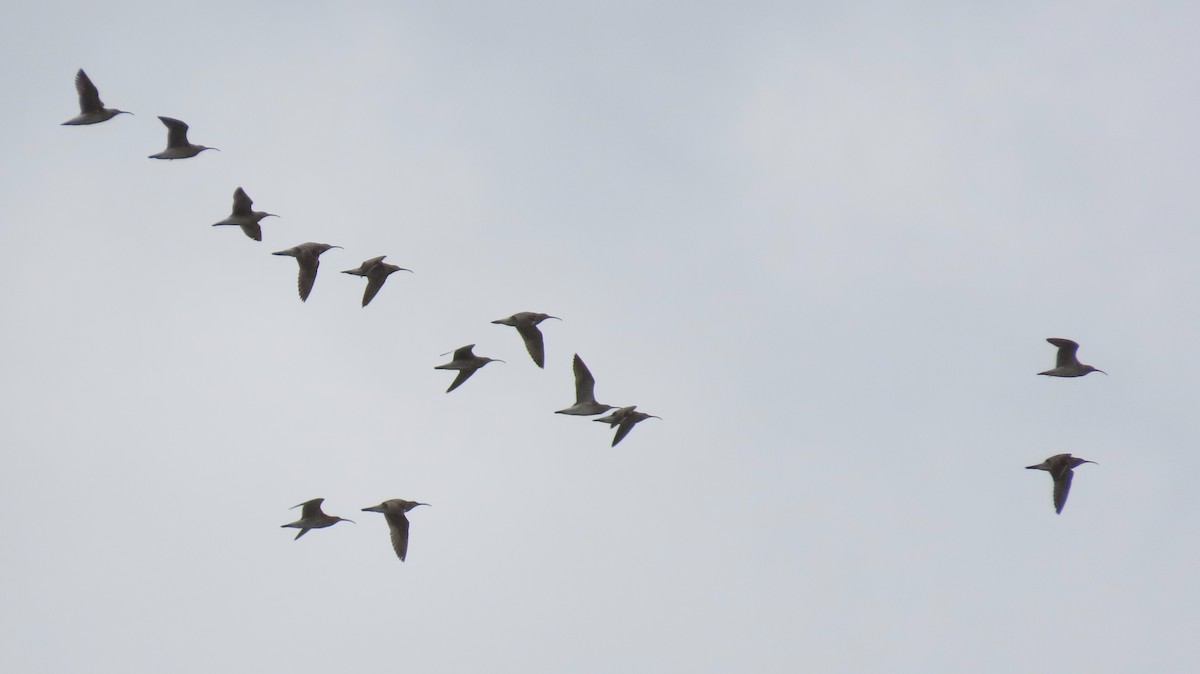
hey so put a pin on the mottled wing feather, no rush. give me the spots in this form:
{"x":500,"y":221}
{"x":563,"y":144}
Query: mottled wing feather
{"x":533,"y":343}
{"x":398,"y":524}
{"x":89,"y":96}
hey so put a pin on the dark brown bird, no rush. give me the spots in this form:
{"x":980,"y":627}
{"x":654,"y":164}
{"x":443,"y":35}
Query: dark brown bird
{"x":585,"y":393}
{"x":466,"y":362}
{"x":307,"y":256}
{"x":393,"y":511}
{"x":526,"y":323}
{"x":178,"y":146}
{"x":312,"y":517}
{"x":244,"y":216}
{"x":91,"y":110}
{"x":1060,"y":467}
{"x":376,"y":271}
{"x":1066,"y":364}
{"x":625,"y":419}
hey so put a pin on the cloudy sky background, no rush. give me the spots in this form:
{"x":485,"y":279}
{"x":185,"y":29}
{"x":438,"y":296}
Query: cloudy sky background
{"x":825,"y":243}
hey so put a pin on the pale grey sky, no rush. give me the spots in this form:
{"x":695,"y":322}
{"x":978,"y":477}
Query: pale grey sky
{"x":824,"y":242}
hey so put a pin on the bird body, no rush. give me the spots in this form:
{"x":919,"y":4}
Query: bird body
{"x":376,"y":272}
{"x":312,"y":517}
{"x":244,"y":217}
{"x":91,"y":109}
{"x":585,"y":397}
{"x":1061,"y":469}
{"x":526,"y":323}
{"x":1066,"y":364}
{"x":393,"y":511}
{"x":625,"y":419}
{"x":466,"y":362}
{"x":307,"y":256}
{"x":178,"y":146}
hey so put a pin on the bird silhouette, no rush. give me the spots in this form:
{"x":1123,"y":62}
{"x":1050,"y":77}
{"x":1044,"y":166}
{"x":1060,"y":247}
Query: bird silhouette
{"x":526,"y":323}
{"x":625,"y":418}
{"x":466,"y":362}
{"x":91,"y":110}
{"x":1066,"y":364}
{"x":307,"y":256}
{"x":376,"y":272}
{"x":393,"y":511}
{"x":244,"y":217}
{"x":1060,"y":467}
{"x":312,"y":517}
{"x":178,"y":146}
{"x":585,"y":397}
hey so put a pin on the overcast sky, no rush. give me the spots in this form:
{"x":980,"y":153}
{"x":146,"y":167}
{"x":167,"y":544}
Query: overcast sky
{"x":825,"y":242}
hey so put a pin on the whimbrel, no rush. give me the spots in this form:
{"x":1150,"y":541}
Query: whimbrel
{"x":393,"y":511}
{"x":466,"y":363}
{"x":526,"y":323}
{"x":91,"y":110}
{"x":1067,"y":365}
{"x":376,"y":271}
{"x":585,"y":397}
{"x":178,"y":146}
{"x":626,"y":418}
{"x":306,"y":255}
{"x":312,"y":517}
{"x":1060,"y":468}
{"x":244,"y":217}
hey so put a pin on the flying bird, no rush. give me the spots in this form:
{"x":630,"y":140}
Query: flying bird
{"x":393,"y":511}
{"x":91,"y":110}
{"x":625,"y":418}
{"x":376,"y":271}
{"x":312,"y":517}
{"x":1060,"y":468}
{"x":1067,"y":365}
{"x":466,"y":363}
{"x":178,"y":146}
{"x":585,"y":397}
{"x":526,"y":323}
{"x":306,"y":255}
{"x":244,"y":217}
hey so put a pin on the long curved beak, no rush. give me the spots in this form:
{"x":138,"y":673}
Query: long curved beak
{"x":270,"y":215}
{"x":1102,"y":372}
{"x":555,"y":318}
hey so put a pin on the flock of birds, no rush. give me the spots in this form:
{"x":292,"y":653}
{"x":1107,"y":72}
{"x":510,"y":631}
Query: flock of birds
{"x":376,"y":271}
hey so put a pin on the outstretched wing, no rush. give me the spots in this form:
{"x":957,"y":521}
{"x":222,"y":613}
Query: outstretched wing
{"x":585,"y":385}
{"x":533,"y":343}
{"x":398,"y":524}
{"x":176,"y":131}
{"x":1062,"y":486}
{"x":374,"y":283}
{"x":89,"y":96}
{"x":463,"y":375}
{"x":1066,"y":351}
{"x":241,"y":202}
{"x":308,"y":276}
